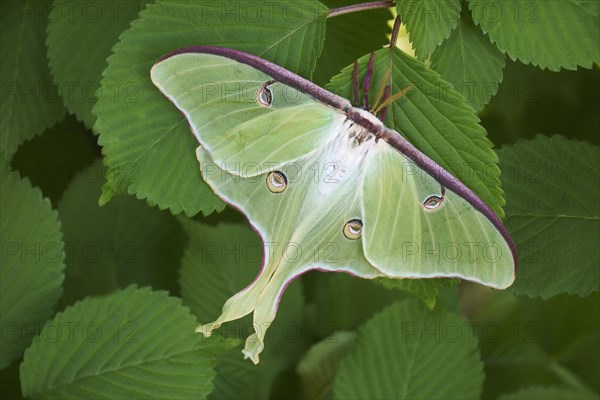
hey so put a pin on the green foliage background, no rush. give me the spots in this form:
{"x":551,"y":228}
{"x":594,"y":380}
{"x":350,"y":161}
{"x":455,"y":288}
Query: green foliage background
{"x":112,"y":246}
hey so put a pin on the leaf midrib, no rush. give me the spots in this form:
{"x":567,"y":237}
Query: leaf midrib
{"x":121,"y":368}
{"x":585,"y":11}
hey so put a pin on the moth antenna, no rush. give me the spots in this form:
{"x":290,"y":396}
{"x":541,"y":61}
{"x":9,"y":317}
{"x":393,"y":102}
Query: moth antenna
{"x":393,"y":98}
{"x":355,"y":83}
{"x":386,"y":81}
{"x":381,"y":115}
{"x":367,"y":82}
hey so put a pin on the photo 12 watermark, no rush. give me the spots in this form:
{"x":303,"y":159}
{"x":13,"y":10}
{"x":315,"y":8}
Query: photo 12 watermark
{"x":71,"y":332}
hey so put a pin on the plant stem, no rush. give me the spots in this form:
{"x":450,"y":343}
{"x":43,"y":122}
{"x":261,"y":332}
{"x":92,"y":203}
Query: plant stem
{"x":395,"y":31}
{"x":334,"y":12}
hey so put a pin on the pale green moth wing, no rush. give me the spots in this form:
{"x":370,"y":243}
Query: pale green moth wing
{"x":247,"y":126}
{"x":416,"y":228}
{"x":326,"y":185}
{"x":300,"y":229}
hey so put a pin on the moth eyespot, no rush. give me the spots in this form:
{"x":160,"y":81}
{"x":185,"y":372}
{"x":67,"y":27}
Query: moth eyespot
{"x":264,"y":97}
{"x":276,"y":182}
{"x":353,"y":229}
{"x":433,"y":203}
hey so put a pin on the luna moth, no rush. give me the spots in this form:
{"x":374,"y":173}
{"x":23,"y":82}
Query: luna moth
{"x":325,"y":184}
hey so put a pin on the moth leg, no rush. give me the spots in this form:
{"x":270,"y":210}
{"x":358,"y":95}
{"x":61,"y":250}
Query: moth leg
{"x":367,"y":82}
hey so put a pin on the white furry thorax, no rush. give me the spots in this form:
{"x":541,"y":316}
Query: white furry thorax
{"x":344,"y":157}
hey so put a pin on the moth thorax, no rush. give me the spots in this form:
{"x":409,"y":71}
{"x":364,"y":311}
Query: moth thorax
{"x":353,"y":145}
{"x":368,"y":116}
{"x":360,"y":136}
{"x":344,"y":157}
{"x":356,"y":133}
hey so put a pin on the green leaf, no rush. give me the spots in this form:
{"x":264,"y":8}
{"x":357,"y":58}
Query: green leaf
{"x":526,"y":354}
{"x":548,"y":393}
{"x":32,"y":264}
{"x":80,"y":37}
{"x":528,"y":342}
{"x":553,"y":324}
{"x":511,"y":364}
{"x":434,"y":118}
{"x":547,"y":34}
{"x":131,"y":344}
{"x":344,"y":302}
{"x":221,"y":260}
{"x":318,"y":366}
{"x":523,"y":372}
{"x":406,"y":352}
{"x":428,"y":22}
{"x":10,"y":386}
{"x":531,"y":100}
{"x":30,"y":102}
{"x":554,"y":214}
{"x":52,"y":159}
{"x":240,"y":379}
{"x":116,"y":245}
{"x":426,"y":290}
{"x":580,"y":356}
{"x":349,"y":36}
{"x":141,"y":129}
{"x":471,"y":62}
